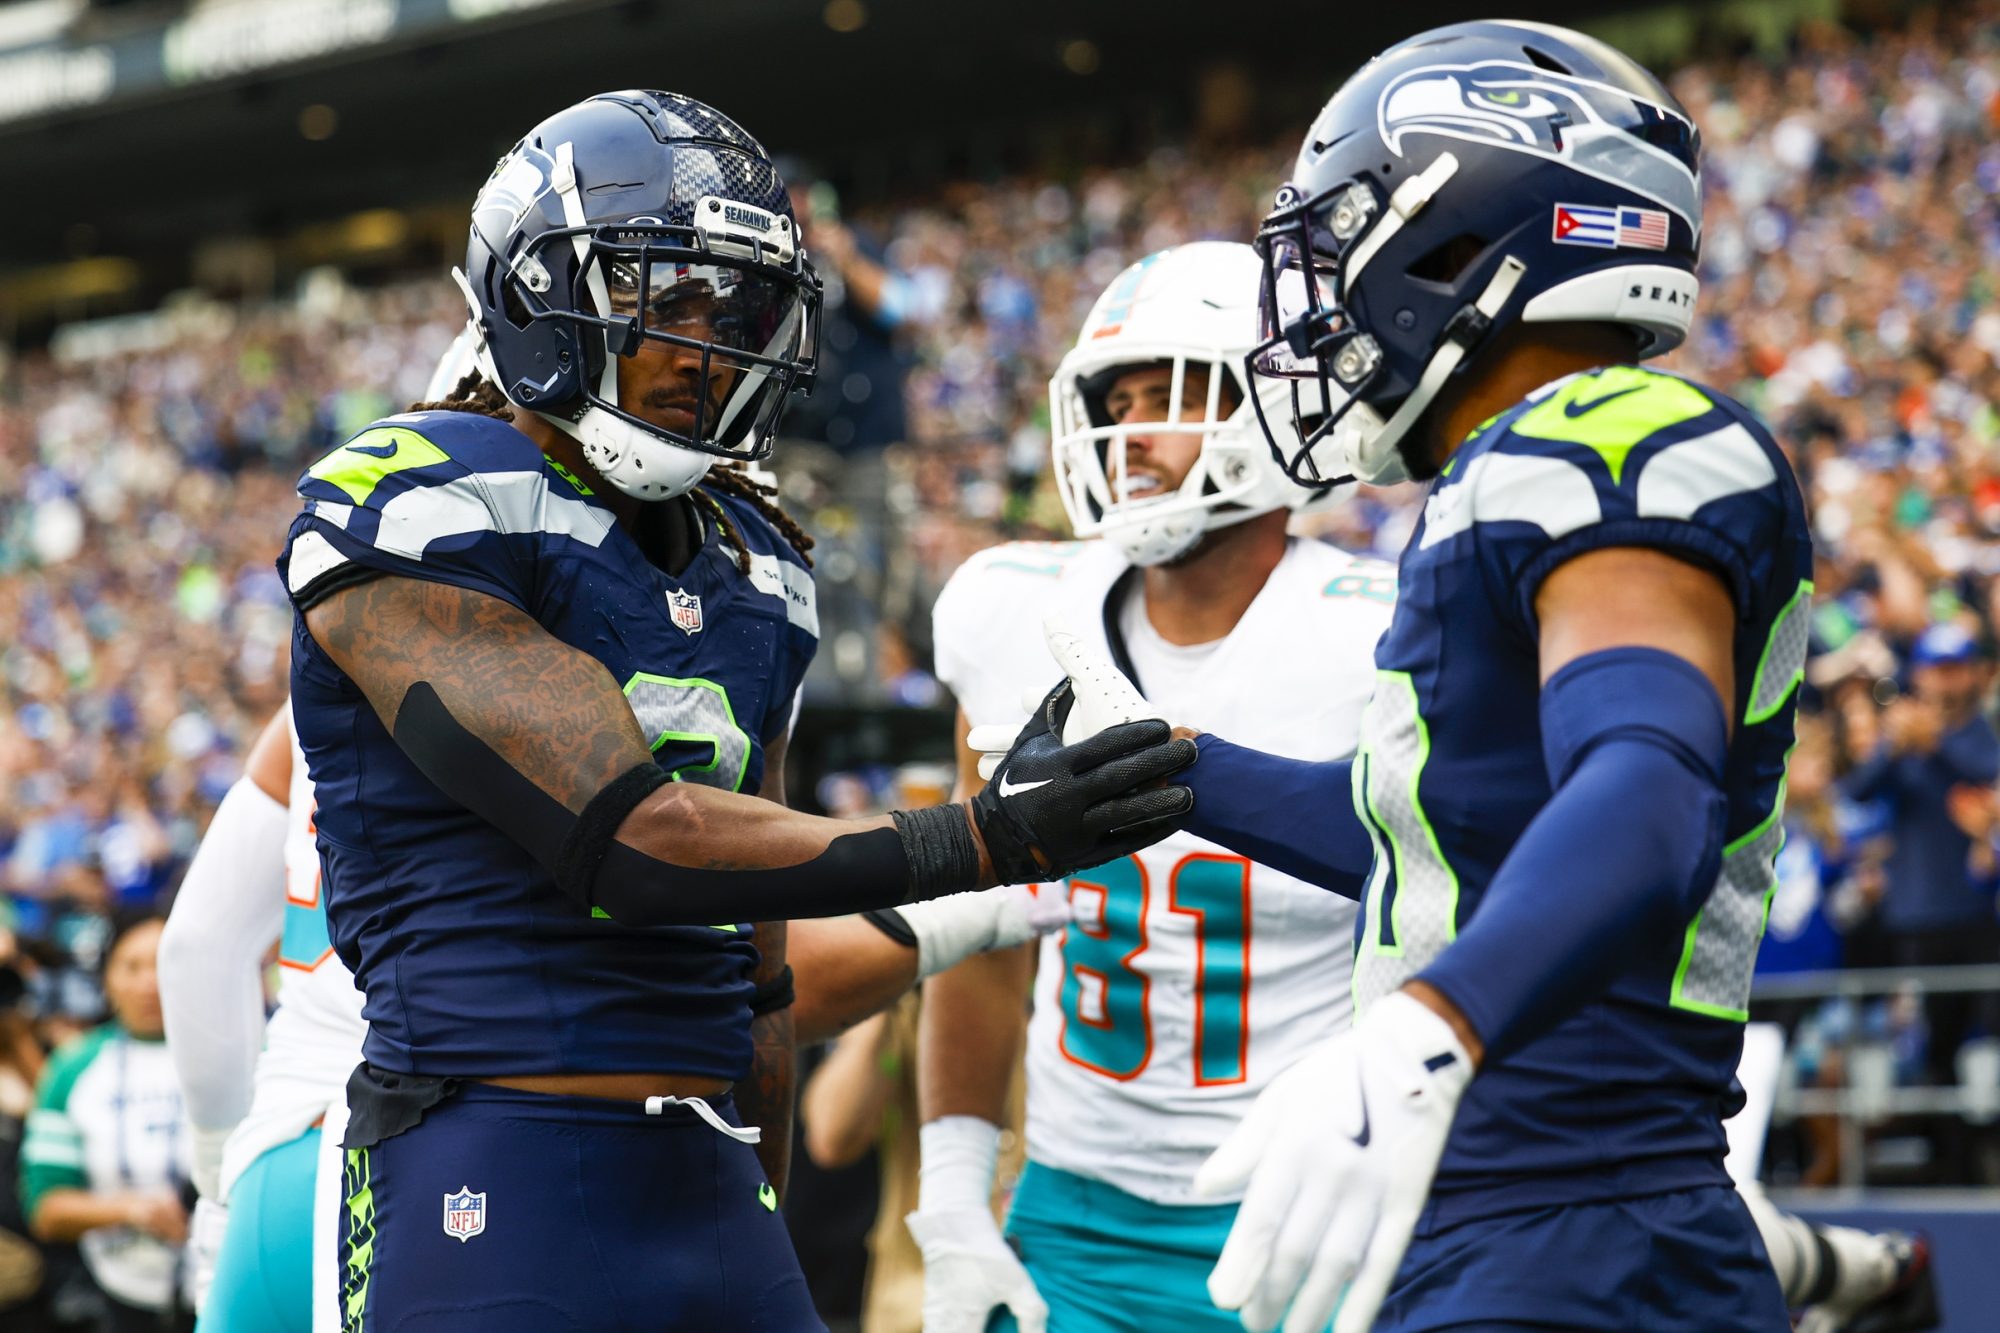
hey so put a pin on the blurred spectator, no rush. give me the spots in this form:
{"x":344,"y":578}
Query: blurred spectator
{"x":21,"y":1060}
{"x":857,"y":402}
{"x":1934,"y":768}
{"x":1824,"y":889}
{"x":105,"y":1162}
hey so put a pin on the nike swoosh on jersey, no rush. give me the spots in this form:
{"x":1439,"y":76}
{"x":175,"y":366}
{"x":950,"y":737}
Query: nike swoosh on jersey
{"x":1575,"y":408}
{"x":377,"y":450}
{"x":1016,"y":788}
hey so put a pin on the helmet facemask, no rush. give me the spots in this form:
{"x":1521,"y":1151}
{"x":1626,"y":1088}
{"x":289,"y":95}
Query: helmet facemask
{"x":1227,"y":482}
{"x":1314,"y":250}
{"x":740,"y":321}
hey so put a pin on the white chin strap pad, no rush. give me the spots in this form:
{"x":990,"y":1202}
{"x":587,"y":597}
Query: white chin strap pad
{"x":635,"y":461}
{"x":1159,"y":541}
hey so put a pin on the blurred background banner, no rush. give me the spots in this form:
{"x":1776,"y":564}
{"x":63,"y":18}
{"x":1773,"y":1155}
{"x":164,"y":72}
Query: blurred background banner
{"x":223,"y":246}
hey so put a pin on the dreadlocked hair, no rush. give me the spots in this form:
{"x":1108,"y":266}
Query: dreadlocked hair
{"x":475,"y":393}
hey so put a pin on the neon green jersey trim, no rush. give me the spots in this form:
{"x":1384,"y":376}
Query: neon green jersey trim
{"x":358,"y":466}
{"x":1798,"y":607}
{"x":1403,"y":856}
{"x":1679,"y":998}
{"x":571,"y":478}
{"x":1613,"y":410}
{"x":714,"y":740}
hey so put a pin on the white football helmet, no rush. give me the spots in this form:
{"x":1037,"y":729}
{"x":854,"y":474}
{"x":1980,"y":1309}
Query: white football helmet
{"x":1194,"y":306}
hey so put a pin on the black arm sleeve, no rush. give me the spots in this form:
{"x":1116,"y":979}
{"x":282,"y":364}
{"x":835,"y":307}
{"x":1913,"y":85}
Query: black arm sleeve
{"x":858,"y":871}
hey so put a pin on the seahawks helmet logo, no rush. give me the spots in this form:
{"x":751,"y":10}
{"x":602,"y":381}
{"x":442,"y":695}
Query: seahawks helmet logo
{"x":1592,"y":127}
{"x":519,"y":180}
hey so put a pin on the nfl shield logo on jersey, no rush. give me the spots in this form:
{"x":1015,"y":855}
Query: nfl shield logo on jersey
{"x":685,"y":608}
{"x":464,"y":1214}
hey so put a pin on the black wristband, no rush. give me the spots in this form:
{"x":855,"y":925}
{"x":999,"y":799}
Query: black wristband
{"x":891,"y":923}
{"x":584,"y":849}
{"x":938,"y":844}
{"x":775,"y":994}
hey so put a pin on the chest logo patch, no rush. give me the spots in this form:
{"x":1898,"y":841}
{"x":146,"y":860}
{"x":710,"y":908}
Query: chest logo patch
{"x":464,"y":1214}
{"x":685,"y":608}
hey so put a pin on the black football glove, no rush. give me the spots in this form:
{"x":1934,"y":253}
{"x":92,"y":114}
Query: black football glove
{"x":1052,"y":809}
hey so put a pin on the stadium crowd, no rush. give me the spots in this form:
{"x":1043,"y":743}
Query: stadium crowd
{"x":1849,"y":293}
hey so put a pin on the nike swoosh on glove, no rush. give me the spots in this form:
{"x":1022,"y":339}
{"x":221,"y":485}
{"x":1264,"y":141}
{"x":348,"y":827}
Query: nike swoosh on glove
{"x":969,"y":1272}
{"x":1334,"y":1162}
{"x":1100,"y":697}
{"x":1052,"y":808}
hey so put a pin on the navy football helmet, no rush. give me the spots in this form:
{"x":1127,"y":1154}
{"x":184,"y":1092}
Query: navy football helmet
{"x":1472,"y":177}
{"x":636,"y":218}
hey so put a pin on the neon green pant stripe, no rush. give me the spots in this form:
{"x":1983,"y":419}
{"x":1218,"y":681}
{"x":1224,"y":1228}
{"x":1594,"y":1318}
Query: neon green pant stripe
{"x":360,"y":1222}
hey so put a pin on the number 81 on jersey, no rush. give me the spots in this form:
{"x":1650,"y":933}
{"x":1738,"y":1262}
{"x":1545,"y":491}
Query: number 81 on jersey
{"x":1107,"y":983}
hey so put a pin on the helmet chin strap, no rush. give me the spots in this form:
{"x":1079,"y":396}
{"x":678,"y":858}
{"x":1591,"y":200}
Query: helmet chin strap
{"x":1372,"y":454}
{"x":632,"y":459}
{"x":1161,"y":542}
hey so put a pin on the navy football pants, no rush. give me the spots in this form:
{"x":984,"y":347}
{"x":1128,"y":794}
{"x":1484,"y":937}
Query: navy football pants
{"x":595,"y":1217}
{"x":1685,"y":1262}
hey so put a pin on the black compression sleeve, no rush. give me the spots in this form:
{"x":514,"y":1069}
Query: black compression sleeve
{"x":891,"y":923}
{"x":582,"y":853}
{"x":856,"y":872}
{"x":775,"y":994}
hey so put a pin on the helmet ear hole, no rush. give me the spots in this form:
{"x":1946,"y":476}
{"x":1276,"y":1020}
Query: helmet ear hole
{"x":1447,"y":263}
{"x":514,"y":307}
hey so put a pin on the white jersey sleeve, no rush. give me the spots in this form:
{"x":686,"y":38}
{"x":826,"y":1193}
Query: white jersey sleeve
{"x":211,"y":955}
{"x":313,"y":1040}
{"x":986,"y":626}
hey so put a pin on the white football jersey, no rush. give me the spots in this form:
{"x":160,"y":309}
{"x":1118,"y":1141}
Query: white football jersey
{"x":313,"y":1040}
{"x":1190,"y":975}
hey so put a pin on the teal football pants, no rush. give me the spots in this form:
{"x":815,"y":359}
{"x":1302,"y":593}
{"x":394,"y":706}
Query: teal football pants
{"x":263,"y":1277}
{"x":1110,"y":1262}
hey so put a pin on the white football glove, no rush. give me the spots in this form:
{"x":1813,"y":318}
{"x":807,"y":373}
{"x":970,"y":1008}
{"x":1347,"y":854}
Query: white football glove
{"x":206,"y":1226}
{"x":968,"y":1269}
{"x":969,"y":1272}
{"x":951,"y":929}
{"x":1334,"y":1162}
{"x":1103,"y":698}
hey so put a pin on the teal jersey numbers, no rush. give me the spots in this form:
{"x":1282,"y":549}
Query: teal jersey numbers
{"x":1107,"y":992}
{"x":304,"y":943}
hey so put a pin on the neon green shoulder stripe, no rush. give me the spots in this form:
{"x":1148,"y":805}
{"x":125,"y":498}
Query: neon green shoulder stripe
{"x":358,"y":466}
{"x":1612,"y":410}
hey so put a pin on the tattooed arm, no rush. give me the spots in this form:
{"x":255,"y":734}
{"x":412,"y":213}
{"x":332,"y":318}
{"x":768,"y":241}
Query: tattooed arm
{"x":535,"y":737}
{"x":768,"y":1098}
{"x":538,"y":728}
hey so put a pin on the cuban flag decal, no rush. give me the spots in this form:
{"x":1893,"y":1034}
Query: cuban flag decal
{"x":1610,"y":228}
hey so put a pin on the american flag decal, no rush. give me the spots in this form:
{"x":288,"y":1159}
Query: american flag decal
{"x":1610,"y":228}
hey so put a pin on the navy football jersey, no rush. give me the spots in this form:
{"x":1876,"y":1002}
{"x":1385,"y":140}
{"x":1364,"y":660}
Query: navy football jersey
{"x":1626,"y":1096}
{"x":471,"y":961}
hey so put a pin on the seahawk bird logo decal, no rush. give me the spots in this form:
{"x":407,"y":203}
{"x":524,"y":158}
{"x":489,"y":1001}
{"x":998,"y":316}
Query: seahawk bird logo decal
{"x":1592,"y":127}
